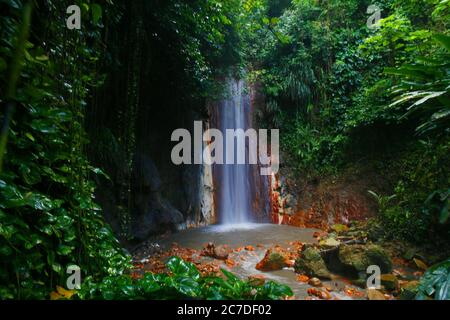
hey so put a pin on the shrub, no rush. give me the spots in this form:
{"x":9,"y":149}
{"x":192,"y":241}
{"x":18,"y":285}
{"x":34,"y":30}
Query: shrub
{"x":183,"y":281}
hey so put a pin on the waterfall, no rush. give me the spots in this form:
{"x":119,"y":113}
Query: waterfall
{"x":241,"y":194}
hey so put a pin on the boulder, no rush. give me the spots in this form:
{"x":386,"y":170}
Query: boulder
{"x":374,"y":294}
{"x":274,"y":259}
{"x":257,"y":279}
{"x":217,"y":252}
{"x":220,"y":252}
{"x":408,"y":290}
{"x":315,"y":282}
{"x":153,"y":214}
{"x":319,"y":293}
{"x":329,"y":242}
{"x":389,"y":281}
{"x":359,"y":256}
{"x":339,"y":228}
{"x":311,"y":263}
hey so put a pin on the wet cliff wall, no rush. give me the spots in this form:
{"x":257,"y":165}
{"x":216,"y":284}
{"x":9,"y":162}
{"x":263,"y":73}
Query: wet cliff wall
{"x":146,"y":95}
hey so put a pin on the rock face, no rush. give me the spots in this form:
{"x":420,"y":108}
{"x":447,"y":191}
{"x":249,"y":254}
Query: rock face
{"x":274,"y":259}
{"x":156,"y":196}
{"x":324,"y":201}
{"x":207,"y":195}
{"x":359,"y":257}
{"x":311,"y":263}
{"x":130,"y":140}
{"x":152,"y":211}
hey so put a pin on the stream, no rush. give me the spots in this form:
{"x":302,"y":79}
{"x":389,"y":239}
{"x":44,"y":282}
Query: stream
{"x":261,"y":237}
{"x":241,"y":197}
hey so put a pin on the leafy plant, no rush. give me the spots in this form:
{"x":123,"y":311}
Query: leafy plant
{"x":426,"y":87}
{"x":182,"y":282}
{"x":435,"y":283}
{"x":439,"y":202}
{"x":48,"y":217}
{"x":382,"y":201}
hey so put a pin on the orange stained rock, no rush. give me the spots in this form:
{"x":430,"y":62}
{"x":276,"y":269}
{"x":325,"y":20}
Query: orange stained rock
{"x":274,"y":259}
{"x":302,"y":278}
{"x":325,"y":295}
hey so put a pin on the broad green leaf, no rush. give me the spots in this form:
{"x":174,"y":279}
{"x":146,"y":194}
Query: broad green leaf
{"x":443,"y":39}
{"x":96,"y":13}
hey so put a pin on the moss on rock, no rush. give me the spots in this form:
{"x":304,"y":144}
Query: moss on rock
{"x":359,"y":257}
{"x":312,"y":264}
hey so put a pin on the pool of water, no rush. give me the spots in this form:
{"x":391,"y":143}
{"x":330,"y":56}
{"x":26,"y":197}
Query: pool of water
{"x":261,"y":237}
{"x":235,"y":235}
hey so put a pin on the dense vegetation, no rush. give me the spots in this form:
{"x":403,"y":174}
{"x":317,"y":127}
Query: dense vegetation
{"x":349,"y":95}
{"x":184,"y":282}
{"x":342,"y":94}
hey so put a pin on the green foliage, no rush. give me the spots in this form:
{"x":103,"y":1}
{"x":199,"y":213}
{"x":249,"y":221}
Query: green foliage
{"x":329,"y":74}
{"x":395,"y":41}
{"x":382,"y":201}
{"x":327,"y":81}
{"x":418,"y":210}
{"x":48,"y":218}
{"x":312,"y":150}
{"x":426,"y":84}
{"x":329,"y":88}
{"x":438,"y":204}
{"x":182,"y":282}
{"x":203,"y":37}
{"x":435,"y":283}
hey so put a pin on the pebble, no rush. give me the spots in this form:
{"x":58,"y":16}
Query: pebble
{"x":315,"y":282}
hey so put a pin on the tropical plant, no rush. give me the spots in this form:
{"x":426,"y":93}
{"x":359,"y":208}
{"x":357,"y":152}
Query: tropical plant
{"x":439,"y":202}
{"x":435,"y":283}
{"x":48,"y":217}
{"x":182,"y":282}
{"x":382,"y":201}
{"x":425,"y":86}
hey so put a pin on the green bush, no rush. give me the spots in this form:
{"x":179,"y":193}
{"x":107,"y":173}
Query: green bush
{"x":435,"y":283}
{"x":48,"y":217}
{"x":418,"y":209}
{"x":182,"y":282}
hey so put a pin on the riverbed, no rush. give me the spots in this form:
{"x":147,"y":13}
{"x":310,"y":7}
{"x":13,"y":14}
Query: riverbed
{"x":259,"y":237}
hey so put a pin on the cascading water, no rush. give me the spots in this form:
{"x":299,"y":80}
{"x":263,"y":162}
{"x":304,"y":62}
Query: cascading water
{"x":241,"y":193}
{"x":235,"y":206}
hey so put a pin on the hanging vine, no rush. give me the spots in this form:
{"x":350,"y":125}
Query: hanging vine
{"x":127,"y":114}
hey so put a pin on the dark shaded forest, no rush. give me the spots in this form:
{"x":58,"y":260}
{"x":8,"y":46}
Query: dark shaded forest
{"x":86,"y":178}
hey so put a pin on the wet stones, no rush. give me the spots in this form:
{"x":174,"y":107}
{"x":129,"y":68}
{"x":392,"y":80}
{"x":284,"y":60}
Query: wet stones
{"x":349,"y":260}
{"x":389,"y":282}
{"x":274,"y":259}
{"x":358,"y":257}
{"x":257,"y":279}
{"x":217,"y":252}
{"x":315,"y":282}
{"x":311,"y":263}
{"x":374,"y":294}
